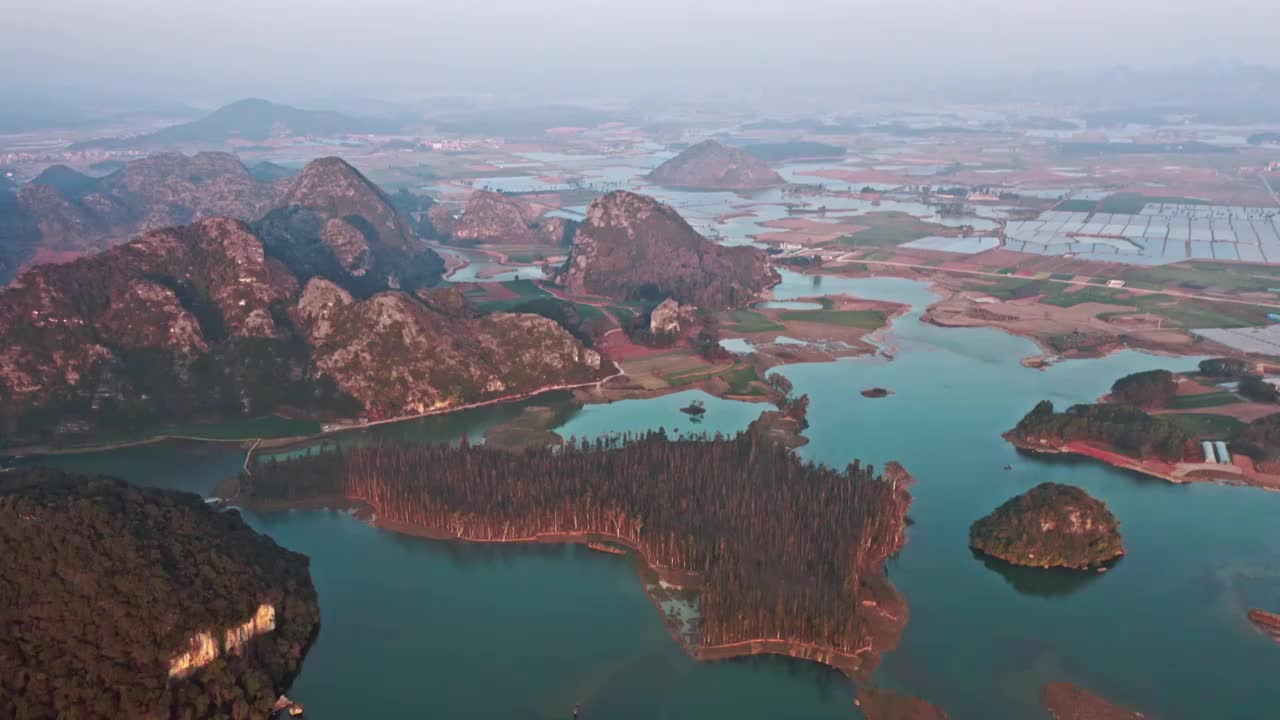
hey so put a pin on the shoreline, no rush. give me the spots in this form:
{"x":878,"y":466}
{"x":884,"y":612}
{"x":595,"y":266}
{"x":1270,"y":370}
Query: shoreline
{"x":935,"y":278}
{"x":299,"y":440}
{"x":1178,"y":474}
{"x":886,"y":626}
{"x":852,"y":665}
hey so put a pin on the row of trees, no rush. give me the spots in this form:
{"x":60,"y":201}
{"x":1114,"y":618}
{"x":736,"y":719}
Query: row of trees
{"x":783,"y":549}
{"x":1150,"y":389}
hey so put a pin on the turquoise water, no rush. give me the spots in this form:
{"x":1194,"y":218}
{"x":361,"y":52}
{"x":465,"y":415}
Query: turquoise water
{"x":417,"y":628}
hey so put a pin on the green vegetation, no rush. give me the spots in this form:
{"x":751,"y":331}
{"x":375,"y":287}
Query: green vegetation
{"x":1125,"y":429}
{"x":525,"y":290}
{"x":1203,"y":400}
{"x":1263,"y":432}
{"x":1076,"y":206}
{"x":1062,"y":295}
{"x":1224,"y":367}
{"x":1132,"y":203}
{"x":622,"y":313}
{"x":1177,"y":312}
{"x":1050,"y":525}
{"x":1062,"y":276}
{"x":749,"y":321}
{"x":1150,"y":389}
{"x":1199,"y":275}
{"x":1207,"y":425}
{"x":743,"y":380}
{"x":106,"y":583}
{"x":891,"y":228}
{"x":528,"y":257}
{"x":865,"y":319}
{"x":269,"y":426}
{"x":1258,"y":390}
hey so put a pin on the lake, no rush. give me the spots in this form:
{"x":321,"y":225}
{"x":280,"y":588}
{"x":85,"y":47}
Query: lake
{"x":419,"y":628}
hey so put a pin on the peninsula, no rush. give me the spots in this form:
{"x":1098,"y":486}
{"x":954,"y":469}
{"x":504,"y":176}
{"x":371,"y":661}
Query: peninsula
{"x":786,"y":557}
{"x":1220,"y":423}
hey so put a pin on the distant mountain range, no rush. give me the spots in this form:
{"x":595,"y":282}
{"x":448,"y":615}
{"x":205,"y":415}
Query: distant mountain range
{"x":523,"y":121}
{"x":248,"y":120}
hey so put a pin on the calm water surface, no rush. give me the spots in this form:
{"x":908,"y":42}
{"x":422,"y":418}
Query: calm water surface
{"x":416,"y":628}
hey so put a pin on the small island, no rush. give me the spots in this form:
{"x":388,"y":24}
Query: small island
{"x":876,"y":392}
{"x":128,"y":602}
{"x":1065,"y":701}
{"x":1267,"y":622}
{"x":700,"y":517}
{"x":696,"y":409}
{"x":1050,"y":525}
{"x":877,"y":704}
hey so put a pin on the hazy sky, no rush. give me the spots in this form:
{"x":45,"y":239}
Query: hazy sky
{"x":219,"y":49}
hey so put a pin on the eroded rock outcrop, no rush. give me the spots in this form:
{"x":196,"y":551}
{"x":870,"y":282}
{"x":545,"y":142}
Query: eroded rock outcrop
{"x":710,"y":165}
{"x":665,"y":319}
{"x":494,"y":218}
{"x":63,"y":214}
{"x":334,"y":223}
{"x":633,"y":247}
{"x":1050,"y":525}
{"x":328,"y":220}
{"x":203,"y":647}
{"x":398,"y":355}
{"x":169,"y":295}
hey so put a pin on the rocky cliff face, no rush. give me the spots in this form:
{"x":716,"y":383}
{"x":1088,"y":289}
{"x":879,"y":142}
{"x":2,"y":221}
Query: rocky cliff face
{"x":491,"y":217}
{"x":429,"y":360}
{"x":201,"y":321}
{"x":333,"y":222}
{"x":633,"y":247}
{"x":203,"y":648}
{"x":63,"y":214}
{"x":1050,"y":525}
{"x":710,"y":165}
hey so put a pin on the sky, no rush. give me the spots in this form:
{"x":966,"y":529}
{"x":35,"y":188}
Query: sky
{"x":218,"y":50}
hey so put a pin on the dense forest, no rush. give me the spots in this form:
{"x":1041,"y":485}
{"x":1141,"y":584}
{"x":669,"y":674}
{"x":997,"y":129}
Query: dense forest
{"x":1263,"y":433}
{"x":102,"y":584}
{"x":782,"y":549}
{"x":1150,"y":389}
{"x":1224,"y":367}
{"x":1123,"y":428}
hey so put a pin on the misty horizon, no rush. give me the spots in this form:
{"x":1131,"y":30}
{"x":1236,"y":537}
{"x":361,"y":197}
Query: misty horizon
{"x":576,"y":50}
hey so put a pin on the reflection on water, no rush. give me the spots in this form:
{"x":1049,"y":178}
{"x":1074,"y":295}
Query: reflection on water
{"x":1044,"y":582}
